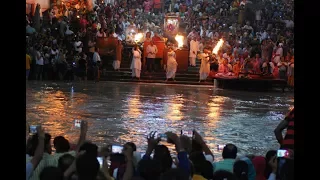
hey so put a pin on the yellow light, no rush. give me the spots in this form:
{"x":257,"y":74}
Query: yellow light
{"x":179,"y":39}
{"x":138,"y":37}
{"x":217,"y":47}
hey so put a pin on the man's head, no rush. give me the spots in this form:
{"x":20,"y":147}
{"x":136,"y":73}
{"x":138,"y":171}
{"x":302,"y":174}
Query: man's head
{"x":90,"y":149}
{"x":230,"y":151}
{"x":87,"y":166}
{"x":61,"y":144}
{"x":131,"y":144}
{"x":96,"y":49}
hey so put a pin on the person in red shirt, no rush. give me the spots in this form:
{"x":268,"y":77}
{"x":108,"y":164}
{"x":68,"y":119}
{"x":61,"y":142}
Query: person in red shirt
{"x":156,"y":37}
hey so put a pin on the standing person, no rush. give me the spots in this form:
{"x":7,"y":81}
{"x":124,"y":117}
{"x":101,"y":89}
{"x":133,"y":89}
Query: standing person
{"x":290,"y":72}
{"x":28,"y":63}
{"x":288,"y":123}
{"x":194,"y":48}
{"x":82,"y":67}
{"x":39,"y":64}
{"x":258,"y":16}
{"x":117,"y":59}
{"x":136,"y":62}
{"x":205,"y":65}
{"x":152,"y":50}
{"x":96,"y":64}
{"x":78,"y":45}
{"x":171,"y":64}
{"x":61,"y":63}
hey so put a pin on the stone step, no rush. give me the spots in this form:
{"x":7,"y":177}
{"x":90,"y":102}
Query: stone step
{"x":208,"y":83}
{"x":146,"y":77}
{"x":186,"y":74}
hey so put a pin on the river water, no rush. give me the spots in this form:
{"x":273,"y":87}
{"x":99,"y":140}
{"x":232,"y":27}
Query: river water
{"x":120,"y":112}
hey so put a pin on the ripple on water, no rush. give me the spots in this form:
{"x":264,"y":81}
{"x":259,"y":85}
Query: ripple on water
{"x":121,"y":112}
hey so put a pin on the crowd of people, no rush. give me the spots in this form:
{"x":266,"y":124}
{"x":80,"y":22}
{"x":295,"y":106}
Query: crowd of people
{"x":192,"y":158}
{"x":258,"y":37}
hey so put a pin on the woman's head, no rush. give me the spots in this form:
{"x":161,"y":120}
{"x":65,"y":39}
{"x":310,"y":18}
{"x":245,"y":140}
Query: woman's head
{"x":148,"y":35}
{"x":270,"y":154}
{"x":162,"y":155}
{"x":259,"y":164}
{"x":60,"y":143}
{"x":149,"y":169}
{"x":240,"y":170}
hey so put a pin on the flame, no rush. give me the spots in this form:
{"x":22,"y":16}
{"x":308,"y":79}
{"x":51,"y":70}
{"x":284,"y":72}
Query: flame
{"x":138,"y":37}
{"x":179,"y":39}
{"x":217,"y":47}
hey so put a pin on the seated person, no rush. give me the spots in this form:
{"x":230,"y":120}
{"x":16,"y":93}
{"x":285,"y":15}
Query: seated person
{"x":236,"y":67}
{"x":256,"y":66}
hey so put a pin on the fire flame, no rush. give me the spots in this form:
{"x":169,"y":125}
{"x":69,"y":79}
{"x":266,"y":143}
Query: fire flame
{"x":217,"y":47}
{"x":179,"y":39}
{"x":138,"y":37}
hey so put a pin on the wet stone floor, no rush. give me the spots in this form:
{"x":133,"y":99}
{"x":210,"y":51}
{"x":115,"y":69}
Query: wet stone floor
{"x":120,"y":112}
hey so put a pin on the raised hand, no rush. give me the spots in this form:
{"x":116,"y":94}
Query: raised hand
{"x":84,"y":126}
{"x":152,"y":142}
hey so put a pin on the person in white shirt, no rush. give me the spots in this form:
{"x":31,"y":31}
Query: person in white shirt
{"x":192,"y":34}
{"x":54,"y":54}
{"x":136,"y":62}
{"x":194,"y":48}
{"x":78,"y":46}
{"x":68,"y":31}
{"x":152,"y":50}
{"x":258,"y":16}
{"x":171,"y":65}
{"x":205,"y":65}
{"x":96,"y":63}
{"x":279,"y":53}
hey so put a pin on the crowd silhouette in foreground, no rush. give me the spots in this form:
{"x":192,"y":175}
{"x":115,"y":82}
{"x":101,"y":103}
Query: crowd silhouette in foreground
{"x":192,"y":160}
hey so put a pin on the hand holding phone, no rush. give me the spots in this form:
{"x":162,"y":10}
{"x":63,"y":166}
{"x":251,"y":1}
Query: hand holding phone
{"x":282,"y":153}
{"x":220,"y":147}
{"x":33,"y":129}
{"x":77,"y":123}
{"x":187,"y":133}
{"x":100,"y":160}
{"x":163,"y":137}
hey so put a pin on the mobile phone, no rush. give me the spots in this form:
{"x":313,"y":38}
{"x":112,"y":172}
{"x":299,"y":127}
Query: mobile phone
{"x":163,"y":137}
{"x":77,"y":123}
{"x":33,"y":129}
{"x":281,"y":153}
{"x":220,"y":147}
{"x":187,"y":133}
{"x":100,"y":160}
{"x":116,"y":149}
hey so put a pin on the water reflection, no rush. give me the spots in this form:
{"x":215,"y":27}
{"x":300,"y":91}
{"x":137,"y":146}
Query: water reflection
{"x":173,"y":105}
{"x":121,"y":112}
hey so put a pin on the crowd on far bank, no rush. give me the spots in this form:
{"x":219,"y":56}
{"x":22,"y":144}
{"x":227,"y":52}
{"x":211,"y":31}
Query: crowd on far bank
{"x":193,"y":159}
{"x":258,"y":39}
